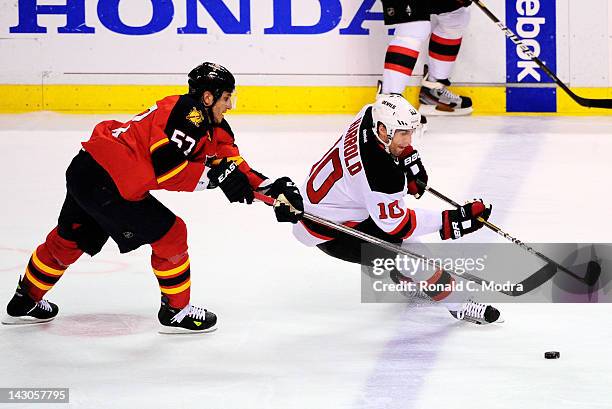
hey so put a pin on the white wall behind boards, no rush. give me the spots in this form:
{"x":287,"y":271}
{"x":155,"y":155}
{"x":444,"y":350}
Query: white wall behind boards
{"x":589,"y":43}
{"x":584,"y":44}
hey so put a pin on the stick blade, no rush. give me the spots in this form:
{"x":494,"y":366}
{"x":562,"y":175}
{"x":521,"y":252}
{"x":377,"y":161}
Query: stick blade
{"x":605,"y":103}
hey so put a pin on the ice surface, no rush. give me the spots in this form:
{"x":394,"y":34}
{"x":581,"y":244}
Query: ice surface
{"x":292,"y":331}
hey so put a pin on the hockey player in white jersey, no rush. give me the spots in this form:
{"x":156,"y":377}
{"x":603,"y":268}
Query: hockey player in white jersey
{"x":438,"y":26}
{"x":366,"y":181}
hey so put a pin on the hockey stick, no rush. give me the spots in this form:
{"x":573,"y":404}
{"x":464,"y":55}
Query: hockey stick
{"x":529,"y":284}
{"x":593,"y":268}
{"x":585,"y":102}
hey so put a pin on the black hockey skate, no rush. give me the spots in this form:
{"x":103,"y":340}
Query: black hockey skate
{"x":22,"y":309}
{"x":190,"y":319}
{"x":437,"y":99}
{"x":478,"y":313}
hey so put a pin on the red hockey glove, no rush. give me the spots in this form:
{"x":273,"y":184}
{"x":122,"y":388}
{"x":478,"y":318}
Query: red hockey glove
{"x":459,"y":222}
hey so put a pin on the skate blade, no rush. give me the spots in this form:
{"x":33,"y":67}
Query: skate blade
{"x":164,"y":330}
{"x":25,"y":320}
{"x":499,"y":321}
{"x":434,"y":110}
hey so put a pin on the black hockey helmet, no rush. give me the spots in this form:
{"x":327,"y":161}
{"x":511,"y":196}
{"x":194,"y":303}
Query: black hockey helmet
{"x":211,"y":77}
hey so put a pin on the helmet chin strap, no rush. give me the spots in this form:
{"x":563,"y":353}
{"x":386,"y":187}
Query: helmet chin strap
{"x":387,"y":144}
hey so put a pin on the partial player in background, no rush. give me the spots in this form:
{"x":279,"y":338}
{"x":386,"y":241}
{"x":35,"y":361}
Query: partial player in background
{"x":181,"y":143}
{"x":365,"y":182}
{"x":414,"y":20}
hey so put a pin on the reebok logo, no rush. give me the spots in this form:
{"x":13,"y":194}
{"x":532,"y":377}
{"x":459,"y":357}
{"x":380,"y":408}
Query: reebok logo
{"x":528,"y":28}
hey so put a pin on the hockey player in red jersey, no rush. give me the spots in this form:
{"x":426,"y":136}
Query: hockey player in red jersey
{"x":181,"y":143}
{"x":414,"y":21}
{"x":365,"y":181}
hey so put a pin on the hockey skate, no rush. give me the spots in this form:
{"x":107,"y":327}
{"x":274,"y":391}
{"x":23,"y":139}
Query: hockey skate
{"x":437,"y":99}
{"x":189,"y":320}
{"x":477,"y":313}
{"x":22,"y":309}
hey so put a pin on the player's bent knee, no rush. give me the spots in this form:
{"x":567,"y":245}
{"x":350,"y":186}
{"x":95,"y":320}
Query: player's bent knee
{"x":59,"y":249}
{"x":89,"y":237}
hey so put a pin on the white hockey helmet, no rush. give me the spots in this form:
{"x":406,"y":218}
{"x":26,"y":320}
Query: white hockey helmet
{"x":396,"y":113}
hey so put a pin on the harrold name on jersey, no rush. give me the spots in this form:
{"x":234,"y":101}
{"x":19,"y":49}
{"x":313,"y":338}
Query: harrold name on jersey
{"x":351,"y":149}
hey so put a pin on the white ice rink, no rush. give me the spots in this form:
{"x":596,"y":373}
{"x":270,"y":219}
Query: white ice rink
{"x":292,"y":331}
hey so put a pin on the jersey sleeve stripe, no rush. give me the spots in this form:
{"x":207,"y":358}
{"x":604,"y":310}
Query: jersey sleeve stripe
{"x":158,"y":144}
{"x":408,"y":222}
{"x":236,"y":159}
{"x":172,"y":173}
{"x":166,"y":158}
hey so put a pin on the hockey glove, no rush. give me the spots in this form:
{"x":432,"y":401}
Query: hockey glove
{"x":459,"y":222}
{"x":411,"y":164}
{"x":232,"y":181}
{"x":288,"y":206}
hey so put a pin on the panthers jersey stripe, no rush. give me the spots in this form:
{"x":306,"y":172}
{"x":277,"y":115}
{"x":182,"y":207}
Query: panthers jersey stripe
{"x":158,"y":144}
{"x":172,"y":173}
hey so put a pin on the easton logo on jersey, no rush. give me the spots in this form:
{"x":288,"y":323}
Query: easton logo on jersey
{"x":195,"y":116}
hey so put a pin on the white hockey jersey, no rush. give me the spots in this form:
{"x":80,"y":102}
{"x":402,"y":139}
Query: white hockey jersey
{"x":356,"y":180}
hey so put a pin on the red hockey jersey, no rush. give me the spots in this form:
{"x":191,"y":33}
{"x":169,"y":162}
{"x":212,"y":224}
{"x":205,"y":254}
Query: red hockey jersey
{"x":166,"y":147}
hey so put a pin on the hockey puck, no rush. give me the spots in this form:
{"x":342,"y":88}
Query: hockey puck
{"x":552,"y":355}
